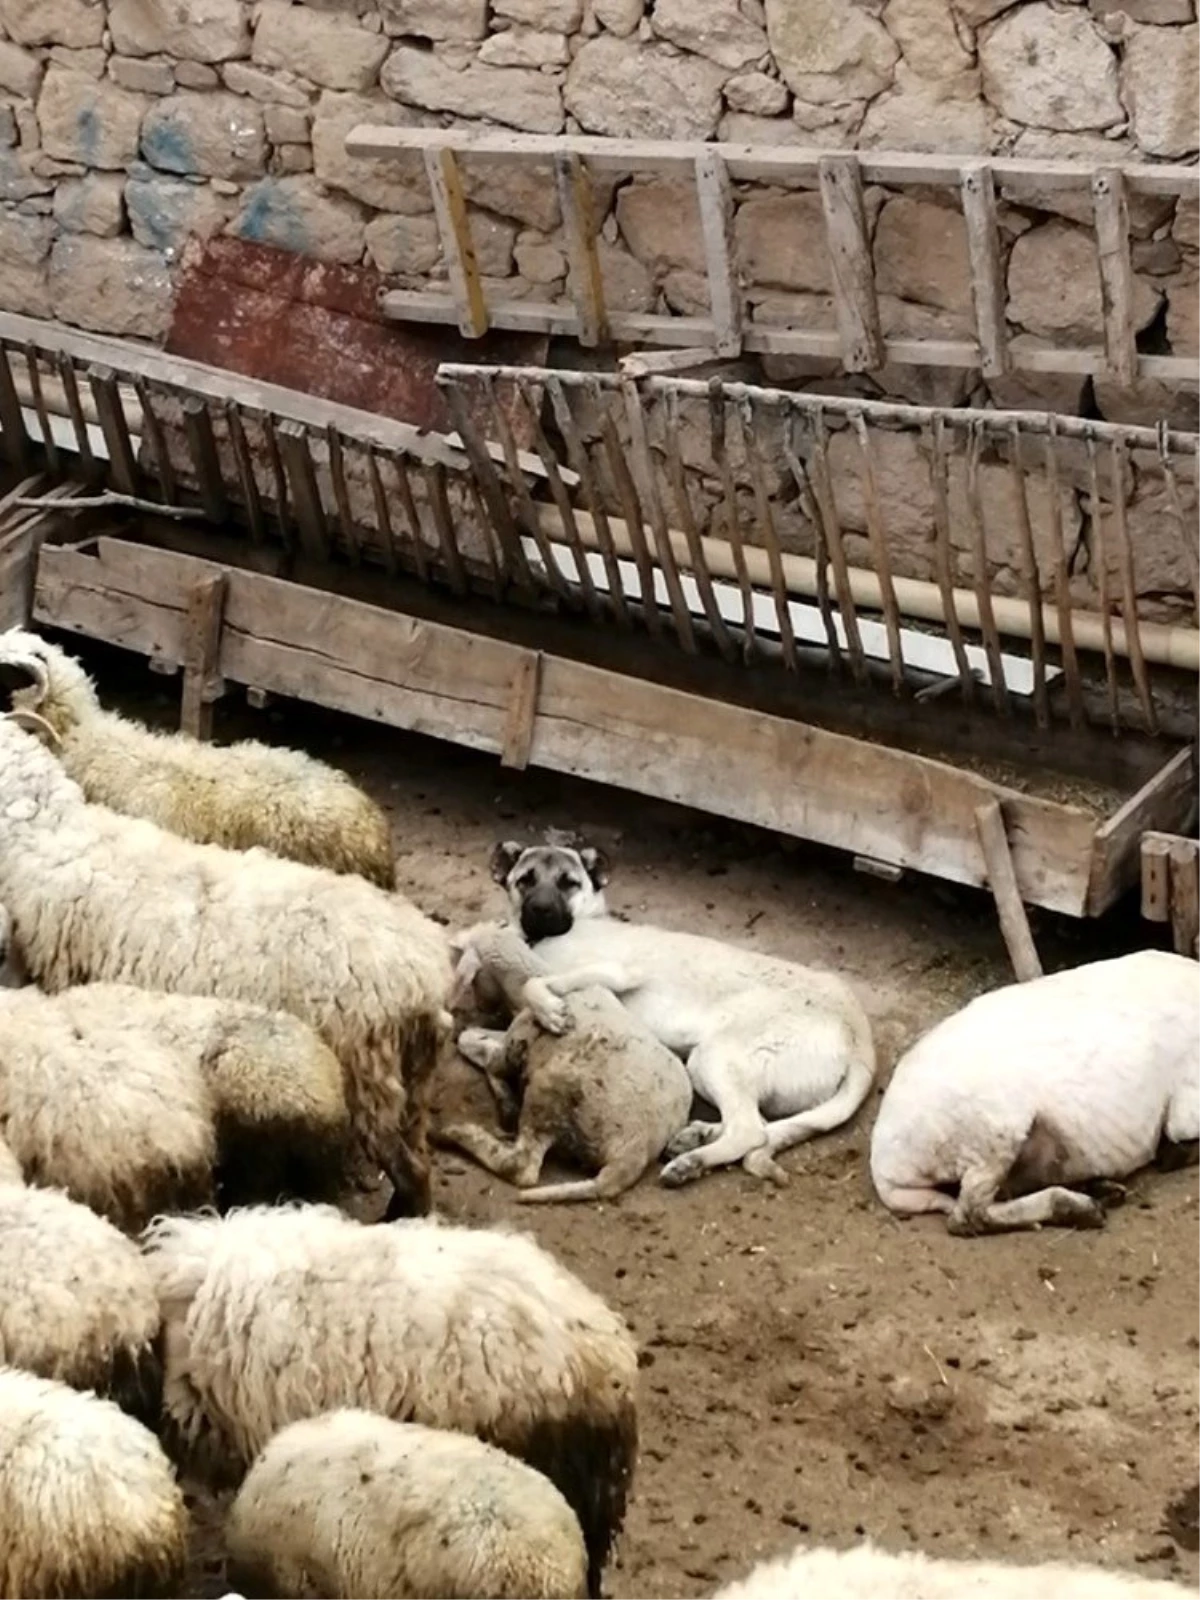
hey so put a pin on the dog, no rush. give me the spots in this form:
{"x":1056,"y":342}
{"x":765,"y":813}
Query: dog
{"x":782,"y":1051}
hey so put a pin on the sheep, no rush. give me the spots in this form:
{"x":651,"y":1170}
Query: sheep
{"x":353,"y":1506}
{"x":95,"y":896}
{"x":867,"y":1572}
{"x":136,"y":1102}
{"x":76,"y":1300}
{"x":1037,"y":1085}
{"x":272,"y":1315}
{"x":239,"y":796}
{"x":89,"y":1504}
{"x":606,"y":1093}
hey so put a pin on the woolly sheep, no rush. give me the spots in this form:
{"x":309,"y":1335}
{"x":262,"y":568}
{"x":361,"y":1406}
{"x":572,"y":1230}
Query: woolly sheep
{"x":866,"y":1573}
{"x":272,"y":1315}
{"x":76,"y":1300}
{"x":115,"y":1094}
{"x":1038,"y":1085}
{"x":606,"y":1093}
{"x":354,"y":1506}
{"x":99,"y":896}
{"x":239,"y":795}
{"x":89,"y":1504}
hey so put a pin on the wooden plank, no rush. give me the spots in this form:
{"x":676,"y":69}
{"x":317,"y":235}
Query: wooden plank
{"x":522,"y":712}
{"x":585,"y":280}
{"x":1111,"y":212}
{"x":279,"y":479}
{"x":718,"y":448}
{"x":979,"y":566}
{"x":627,"y":495}
{"x":305,"y":497}
{"x":566,"y":511}
{"x":247,"y":483}
{"x":202,"y":446}
{"x":714,"y":195}
{"x":526,"y":510}
{"x":798,"y":779}
{"x":1002,"y":880}
{"x":677,"y":477}
{"x":383,"y":515}
{"x":850,"y":263}
{"x":768,"y":534}
{"x":1184,"y":526}
{"x":577,"y":454}
{"x":443,"y":521}
{"x":642,"y":468}
{"x":938,"y":469}
{"x":412,"y":517}
{"x":201,"y":654}
{"x":499,"y":514}
{"x":66,"y":374}
{"x":978,"y":196}
{"x":341,"y":496}
{"x":18,"y":446}
{"x":1030,"y":575}
{"x":458,"y":250}
{"x":1100,"y":561}
{"x":808,"y":504}
{"x":879,"y":555}
{"x":122,"y":467}
{"x":1062,"y":588}
{"x":1156,"y":877}
{"x":152,"y":433}
{"x":1165,"y":803}
{"x":39,"y":407}
{"x":1185,"y":896}
{"x":822,"y":482}
{"x":1118,"y":466}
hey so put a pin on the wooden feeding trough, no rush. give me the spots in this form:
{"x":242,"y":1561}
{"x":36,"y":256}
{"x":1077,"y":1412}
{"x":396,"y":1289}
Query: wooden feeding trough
{"x":594,"y":606}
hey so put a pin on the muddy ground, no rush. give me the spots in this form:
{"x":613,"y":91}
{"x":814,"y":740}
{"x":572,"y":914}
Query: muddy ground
{"x":812,"y":1367}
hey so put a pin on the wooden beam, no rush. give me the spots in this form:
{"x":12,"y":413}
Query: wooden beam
{"x":850,"y":261}
{"x":586,"y":281}
{"x":458,"y":250}
{"x":1002,"y":880}
{"x":714,"y":195}
{"x":1111,"y":213}
{"x":987,"y":278}
{"x":201,"y":654}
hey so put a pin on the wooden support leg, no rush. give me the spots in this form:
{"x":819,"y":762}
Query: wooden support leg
{"x":1185,"y":896}
{"x":1002,"y":880}
{"x":202,"y":645}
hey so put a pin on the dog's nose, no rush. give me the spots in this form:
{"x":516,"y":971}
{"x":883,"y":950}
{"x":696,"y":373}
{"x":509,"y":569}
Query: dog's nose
{"x":544,"y":918}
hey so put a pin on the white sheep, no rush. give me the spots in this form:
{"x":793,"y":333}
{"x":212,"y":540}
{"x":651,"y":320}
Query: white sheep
{"x":95,"y":895}
{"x":137,"y":1102}
{"x":353,"y":1506}
{"x":239,"y":795}
{"x":869,"y":1573}
{"x":606,"y":1092}
{"x":89,"y":1504}
{"x":272,"y":1315}
{"x":1038,"y":1086}
{"x":76,"y":1300}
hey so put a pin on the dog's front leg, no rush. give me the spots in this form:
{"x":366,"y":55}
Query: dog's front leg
{"x":609,"y":975}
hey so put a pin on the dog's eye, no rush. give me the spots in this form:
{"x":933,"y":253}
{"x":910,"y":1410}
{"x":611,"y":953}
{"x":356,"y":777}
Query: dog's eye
{"x":566,"y":883}
{"x":525,"y":881}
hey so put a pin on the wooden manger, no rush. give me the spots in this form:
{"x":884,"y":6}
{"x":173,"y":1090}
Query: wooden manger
{"x":607,"y":605}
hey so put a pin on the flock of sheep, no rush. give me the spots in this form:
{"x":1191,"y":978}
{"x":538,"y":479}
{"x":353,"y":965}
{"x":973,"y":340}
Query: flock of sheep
{"x":218,"y":1016}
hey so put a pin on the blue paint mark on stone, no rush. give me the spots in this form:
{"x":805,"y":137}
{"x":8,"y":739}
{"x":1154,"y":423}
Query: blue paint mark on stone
{"x":270,"y":215}
{"x":87,"y":126}
{"x":166,"y":145}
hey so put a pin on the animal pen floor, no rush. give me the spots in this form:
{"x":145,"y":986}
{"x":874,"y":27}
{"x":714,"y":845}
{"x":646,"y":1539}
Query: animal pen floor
{"x":813,"y":1367}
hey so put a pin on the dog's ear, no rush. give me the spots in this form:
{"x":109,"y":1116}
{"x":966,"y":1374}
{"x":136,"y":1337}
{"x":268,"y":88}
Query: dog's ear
{"x":504,"y":858}
{"x":597,"y":865}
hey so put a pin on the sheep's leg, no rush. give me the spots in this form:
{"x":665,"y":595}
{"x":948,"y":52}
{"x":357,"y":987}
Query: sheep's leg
{"x":714,"y":1070}
{"x":913,"y":1202}
{"x":977,"y":1210}
{"x":617,"y":1175}
{"x":482,"y":1047}
{"x":691,"y":1137}
{"x":486,"y":1048}
{"x":519,"y":1163}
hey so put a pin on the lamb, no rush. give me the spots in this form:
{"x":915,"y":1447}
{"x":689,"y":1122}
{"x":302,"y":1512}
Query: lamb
{"x":866,"y":1572}
{"x":1071,"y":1077}
{"x":606,"y":1093}
{"x":98,"y":896}
{"x":137,"y":1102}
{"x":76,"y":1300}
{"x":239,"y":796}
{"x":351,"y":1504}
{"x":89,"y":1504}
{"x":272,"y":1315}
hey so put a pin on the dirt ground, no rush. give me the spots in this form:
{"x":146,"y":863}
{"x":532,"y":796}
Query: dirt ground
{"x":812,"y":1367}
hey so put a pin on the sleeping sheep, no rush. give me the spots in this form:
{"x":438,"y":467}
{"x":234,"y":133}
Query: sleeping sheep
{"x":238,"y":796}
{"x":1038,"y":1086}
{"x":353,"y":1506}
{"x":606,"y":1094}
{"x":272,"y":1315}
{"x":137,"y":1102}
{"x":76,"y":1300}
{"x":96,"y":896}
{"x":89,"y":1504}
{"x":866,"y":1573}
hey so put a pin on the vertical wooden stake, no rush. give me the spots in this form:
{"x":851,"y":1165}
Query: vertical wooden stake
{"x":1002,"y":880}
{"x":202,"y":683}
{"x":1185,"y":896}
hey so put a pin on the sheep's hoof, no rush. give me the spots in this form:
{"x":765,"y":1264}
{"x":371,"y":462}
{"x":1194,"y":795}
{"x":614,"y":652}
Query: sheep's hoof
{"x":762,"y":1164}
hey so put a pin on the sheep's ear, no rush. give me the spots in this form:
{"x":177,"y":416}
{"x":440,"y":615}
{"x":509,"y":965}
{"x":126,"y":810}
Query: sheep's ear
{"x":504,"y":858}
{"x":17,"y":675}
{"x":597,"y":865}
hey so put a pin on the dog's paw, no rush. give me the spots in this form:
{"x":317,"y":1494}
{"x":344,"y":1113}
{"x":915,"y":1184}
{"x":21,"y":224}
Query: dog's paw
{"x":691,"y":1138}
{"x":684,"y":1169}
{"x":550,"y":1011}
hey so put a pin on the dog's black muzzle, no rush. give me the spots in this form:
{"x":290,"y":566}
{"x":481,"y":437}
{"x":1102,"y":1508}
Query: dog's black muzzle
{"x":544,"y":915}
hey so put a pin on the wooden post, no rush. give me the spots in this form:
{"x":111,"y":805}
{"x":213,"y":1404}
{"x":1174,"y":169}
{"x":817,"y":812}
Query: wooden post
{"x":1002,"y":880}
{"x":1185,"y":895}
{"x":1156,"y":877}
{"x":1111,"y":214}
{"x":522,"y":711}
{"x":202,"y":683}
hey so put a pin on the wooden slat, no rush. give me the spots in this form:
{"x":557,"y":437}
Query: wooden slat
{"x":979,"y":567}
{"x":879,"y":555}
{"x":938,"y":469}
{"x":586,"y":281}
{"x":577,"y":454}
{"x":1156,"y":877}
{"x":1111,"y":213}
{"x":519,"y":488}
{"x":458,"y":251}
{"x":248,"y":485}
{"x":768,"y":534}
{"x":302,"y":489}
{"x":522,"y":711}
{"x":15,"y":436}
{"x":383,"y":515}
{"x":822,"y":482}
{"x":1185,"y":896}
{"x":499,"y":514}
{"x":1185,"y":527}
{"x":283,"y":508}
{"x":201,"y":654}
{"x":341,"y":495}
{"x":1123,"y":546}
{"x":487,"y":538}
{"x":811,"y":509}
{"x":642,"y":469}
{"x":850,"y":263}
{"x":978,"y":196}
{"x":66,"y":374}
{"x":714,"y":196}
{"x":719,"y":449}
{"x":439,"y":500}
{"x":1030,"y":576}
{"x":562,"y":500}
{"x":1165,"y":802}
{"x":627,"y":496}
{"x":412,"y":517}
{"x":1062,"y":587}
{"x":156,"y":442}
{"x":122,"y":466}
{"x":39,"y":407}
{"x":677,"y":477}
{"x":1100,"y":559}
{"x":1002,"y":880}
{"x":202,"y":446}
{"x":792,"y":777}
